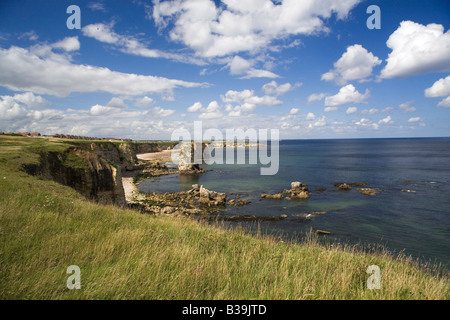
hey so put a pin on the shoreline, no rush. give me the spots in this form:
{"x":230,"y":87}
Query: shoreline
{"x":160,"y":155}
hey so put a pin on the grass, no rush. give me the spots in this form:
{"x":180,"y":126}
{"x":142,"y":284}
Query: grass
{"x":122,"y":254}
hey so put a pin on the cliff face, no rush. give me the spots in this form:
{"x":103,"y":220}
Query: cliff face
{"x":93,"y":169}
{"x":124,"y":154}
{"x":89,"y":174}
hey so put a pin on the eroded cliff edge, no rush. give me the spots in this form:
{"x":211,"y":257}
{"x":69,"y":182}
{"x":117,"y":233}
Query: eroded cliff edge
{"x":93,"y":169}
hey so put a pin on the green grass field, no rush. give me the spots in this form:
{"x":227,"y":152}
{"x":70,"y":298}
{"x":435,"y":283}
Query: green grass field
{"x":122,"y":254}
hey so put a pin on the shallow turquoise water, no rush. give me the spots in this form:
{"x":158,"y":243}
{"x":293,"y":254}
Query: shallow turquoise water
{"x":417,"y":223}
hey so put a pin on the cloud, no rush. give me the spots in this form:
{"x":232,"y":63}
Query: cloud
{"x":96,"y":6}
{"x":30,"y":35}
{"x":330,"y":109}
{"x":351,"y":110}
{"x":445,"y":103}
{"x":195,"y":107}
{"x":247,"y":101}
{"x":347,"y":94}
{"x":272,"y":88}
{"x":355,"y":64}
{"x":99,"y":110}
{"x":240,"y":110}
{"x":130,"y":45}
{"x":102,"y":32}
{"x":319,"y":123}
{"x":415,"y":119}
{"x":21,"y":106}
{"x":143,"y":102}
{"x":239,"y":65}
{"x":161,"y":112}
{"x":417,"y":49}
{"x":259,"y":73}
{"x":440,"y":88}
{"x":211,"y":112}
{"x":294,"y":111}
{"x":248,"y":96}
{"x":28,"y":99}
{"x":114,"y":105}
{"x":43,"y":72}
{"x":310,"y":116}
{"x":364,"y":122}
{"x":386,"y":120}
{"x":68,"y":44}
{"x":371,"y":111}
{"x":316,"y":97}
{"x":407,"y":107}
{"x":242,"y":26}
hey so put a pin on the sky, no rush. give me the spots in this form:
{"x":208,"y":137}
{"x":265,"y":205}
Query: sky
{"x":142,"y":69}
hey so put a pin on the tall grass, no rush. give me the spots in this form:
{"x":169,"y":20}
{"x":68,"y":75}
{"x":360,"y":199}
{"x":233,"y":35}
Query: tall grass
{"x":122,"y":254}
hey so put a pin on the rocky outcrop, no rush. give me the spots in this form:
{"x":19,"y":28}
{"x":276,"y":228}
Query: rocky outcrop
{"x":86,"y":172}
{"x":189,"y":168}
{"x":211,"y":198}
{"x":298,"y":191}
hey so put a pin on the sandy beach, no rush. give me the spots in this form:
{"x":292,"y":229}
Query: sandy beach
{"x":166,"y":154}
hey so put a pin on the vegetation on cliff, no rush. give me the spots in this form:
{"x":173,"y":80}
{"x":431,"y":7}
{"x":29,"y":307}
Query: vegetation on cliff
{"x":46,"y":227}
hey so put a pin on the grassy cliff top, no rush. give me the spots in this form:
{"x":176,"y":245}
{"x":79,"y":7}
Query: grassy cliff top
{"x":122,"y":254}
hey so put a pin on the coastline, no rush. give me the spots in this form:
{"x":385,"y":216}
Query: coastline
{"x":166,"y":256}
{"x":160,"y":155}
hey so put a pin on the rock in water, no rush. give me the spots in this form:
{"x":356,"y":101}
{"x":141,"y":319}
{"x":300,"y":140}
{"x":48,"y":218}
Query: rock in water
{"x":210,"y":198}
{"x":343,"y":186}
{"x":368,"y":191}
{"x":278,"y":196}
{"x":299,"y":190}
{"x":188,"y":168}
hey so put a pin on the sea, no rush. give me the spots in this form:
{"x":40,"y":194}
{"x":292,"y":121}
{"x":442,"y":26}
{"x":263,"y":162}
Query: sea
{"x":410,"y":215}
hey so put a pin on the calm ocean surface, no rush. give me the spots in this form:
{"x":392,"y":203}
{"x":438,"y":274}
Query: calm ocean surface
{"x":417,"y":223}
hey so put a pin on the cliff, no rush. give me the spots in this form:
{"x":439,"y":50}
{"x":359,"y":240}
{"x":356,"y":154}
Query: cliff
{"x":87,"y":173}
{"x":94,"y":169}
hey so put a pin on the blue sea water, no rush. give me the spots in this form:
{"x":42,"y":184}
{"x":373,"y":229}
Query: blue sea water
{"x":416,"y":223}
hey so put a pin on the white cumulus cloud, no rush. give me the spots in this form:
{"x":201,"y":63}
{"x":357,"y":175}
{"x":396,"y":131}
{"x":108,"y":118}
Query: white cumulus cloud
{"x":355,"y":64}
{"x":440,"y":88}
{"x":68,"y":44}
{"x":195,"y":107}
{"x":242,"y":26}
{"x":347,"y":94}
{"x":417,"y":49}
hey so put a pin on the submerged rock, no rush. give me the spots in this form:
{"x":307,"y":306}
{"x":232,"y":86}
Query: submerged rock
{"x":343,"y":186}
{"x":368,"y":191}
{"x":237,"y":203}
{"x":277,"y":196}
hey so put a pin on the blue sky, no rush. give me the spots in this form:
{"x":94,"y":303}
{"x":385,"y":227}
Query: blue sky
{"x":141,"y":69}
